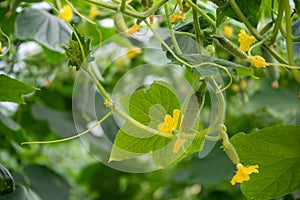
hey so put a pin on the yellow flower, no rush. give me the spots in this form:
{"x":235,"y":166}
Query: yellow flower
{"x":1,"y":47}
{"x":93,"y":12}
{"x":245,"y":40}
{"x":133,"y":29}
{"x":120,"y":63}
{"x":170,"y":123}
{"x":176,"y":17}
{"x":66,"y":13}
{"x":133,"y":51}
{"x":257,"y":61}
{"x":243,"y":173}
{"x":228,"y":31}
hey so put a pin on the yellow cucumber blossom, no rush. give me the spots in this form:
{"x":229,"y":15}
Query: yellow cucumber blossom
{"x":245,"y":40}
{"x":228,"y":31}
{"x":66,"y":13}
{"x":170,"y":123}
{"x":133,"y":29}
{"x":93,"y":12}
{"x":243,"y":173}
{"x":176,"y":17}
{"x":133,"y":51}
{"x":257,"y":61}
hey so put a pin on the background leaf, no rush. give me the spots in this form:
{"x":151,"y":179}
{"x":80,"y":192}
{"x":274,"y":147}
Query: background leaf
{"x":12,"y":90}
{"x":55,"y":187}
{"x":249,"y":8}
{"x":41,"y":26}
{"x":276,"y":151}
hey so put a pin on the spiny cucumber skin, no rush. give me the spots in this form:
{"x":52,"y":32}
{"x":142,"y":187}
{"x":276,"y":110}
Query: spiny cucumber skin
{"x":120,"y":23}
{"x":230,"y":47}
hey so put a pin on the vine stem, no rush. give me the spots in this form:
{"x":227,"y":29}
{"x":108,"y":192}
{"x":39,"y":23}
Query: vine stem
{"x":72,"y":137}
{"x":198,"y":31}
{"x":131,"y":13}
{"x":173,"y":38}
{"x":8,"y":43}
{"x":203,"y":14}
{"x":277,"y":22}
{"x":289,"y":40}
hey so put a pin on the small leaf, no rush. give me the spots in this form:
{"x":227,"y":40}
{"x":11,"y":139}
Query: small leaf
{"x":41,"y":26}
{"x":276,"y":151}
{"x":75,"y":50}
{"x":12,"y":90}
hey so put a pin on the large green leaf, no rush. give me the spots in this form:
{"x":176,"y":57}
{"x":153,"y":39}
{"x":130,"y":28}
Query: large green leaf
{"x":45,"y":181}
{"x":41,"y":26}
{"x":12,"y":90}
{"x":59,"y":122}
{"x":249,"y":8}
{"x":276,"y":150}
{"x":148,"y":106}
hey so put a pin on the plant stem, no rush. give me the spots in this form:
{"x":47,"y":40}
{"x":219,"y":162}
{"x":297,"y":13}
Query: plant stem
{"x":99,"y":86}
{"x":131,"y":13}
{"x":203,"y":14}
{"x":242,"y":17}
{"x":289,"y":40}
{"x":123,"y":6}
{"x":172,"y":35}
{"x":166,"y":46}
{"x":142,"y":126}
{"x":198,"y":31}
{"x":277,"y":22}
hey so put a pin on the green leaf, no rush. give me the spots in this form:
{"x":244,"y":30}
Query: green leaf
{"x":12,"y":90}
{"x":45,"y":181}
{"x":276,"y":150}
{"x":78,"y":52}
{"x":216,"y":164}
{"x":60,"y":122}
{"x":148,"y":106}
{"x":41,"y":26}
{"x":21,"y":193}
{"x":249,"y":8}
{"x":237,"y":68}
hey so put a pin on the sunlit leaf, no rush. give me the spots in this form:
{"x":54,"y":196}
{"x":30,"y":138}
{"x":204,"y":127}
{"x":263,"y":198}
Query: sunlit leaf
{"x":13,"y":90}
{"x":276,"y":151}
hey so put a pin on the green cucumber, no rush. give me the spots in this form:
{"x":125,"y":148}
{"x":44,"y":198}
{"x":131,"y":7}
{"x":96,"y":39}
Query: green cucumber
{"x":230,"y":47}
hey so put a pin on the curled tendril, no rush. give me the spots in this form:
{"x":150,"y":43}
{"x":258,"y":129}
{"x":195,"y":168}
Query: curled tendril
{"x":72,"y":137}
{"x":218,"y":66}
{"x":8,"y":43}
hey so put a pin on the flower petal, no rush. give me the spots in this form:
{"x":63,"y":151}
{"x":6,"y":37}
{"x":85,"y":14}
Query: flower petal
{"x":257,"y":61}
{"x":243,"y":173}
{"x":245,"y":40}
